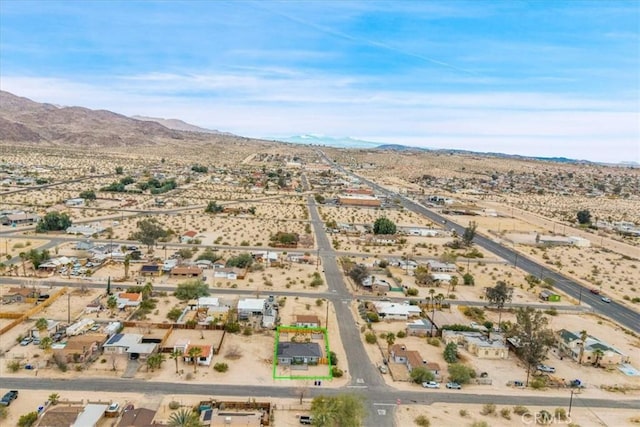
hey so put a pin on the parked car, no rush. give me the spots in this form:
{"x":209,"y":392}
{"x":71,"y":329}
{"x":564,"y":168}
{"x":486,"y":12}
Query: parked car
{"x":26,"y":341}
{"x":546,"y":368}
{"x":306,"y":419}
{"x":454,"y":386}
{"x":430,"y":384}
{"x":605,"y":299}
{"x":595,"y":291}
{"x":383,"y":369}
{"x":9,"y":397}
{"x":113,"y":410}
{"x":36,"y":341}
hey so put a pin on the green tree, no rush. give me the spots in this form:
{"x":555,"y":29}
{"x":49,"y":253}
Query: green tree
{"x":451,"y":353}
{"x":584,"y":216}
{"x":112,"y":303}
{"x":499,"y":295}
{"x":460,"y":373}
{"x":469,"y":233}
{"x":243,"y":260}
{"x":530,"y":337}
{"x":468,"y":279}
{"x":191,"y":289}
{"x":53,"y":221}
{"x":598,"y":353}
{"x":420,"y":375}
{"x":109,"y":286}
{"x":390,"y":338}
{"x":149,"y":231}
{"x":54,"y":398}
{"x":119,"y":170}
{"x":384,"y":225}
{"x":41,"y":324}
{"x":341,"y":410}
{"x":194,"y":353}
{"x":88,"y":195}
{"x":154,"y":361}
{"x":46,"y":343}
{"x":209,"y":255}
{"x":358,"y":273}
{"x":184,"y":418}
{"x":423,"y":275}
{"x":213,"y":207}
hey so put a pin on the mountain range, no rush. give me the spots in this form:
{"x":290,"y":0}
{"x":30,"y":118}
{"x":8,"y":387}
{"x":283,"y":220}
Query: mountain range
{"x":25,"y":121}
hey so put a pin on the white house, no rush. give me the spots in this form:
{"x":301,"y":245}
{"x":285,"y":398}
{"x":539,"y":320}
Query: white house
{"x":207,"y":302}
{"x":396,"y":311}
{"x":251,"y":307}
{"x":74,"y":202}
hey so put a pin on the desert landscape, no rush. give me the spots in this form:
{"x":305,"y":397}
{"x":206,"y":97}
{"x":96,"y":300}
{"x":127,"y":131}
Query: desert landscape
{"x":195,"y":262}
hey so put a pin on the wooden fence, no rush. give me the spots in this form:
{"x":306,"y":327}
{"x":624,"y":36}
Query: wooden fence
{"x":34,"y":310}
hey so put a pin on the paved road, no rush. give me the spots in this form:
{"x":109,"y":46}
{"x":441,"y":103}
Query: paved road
{"x":364,"y":375}
{"x":616,"y":311}
{"x":376,"y":397}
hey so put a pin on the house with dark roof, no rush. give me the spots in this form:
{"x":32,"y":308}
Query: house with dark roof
{"x":186,"y":271}
{"x":298,"y":353}
{"x":398,"y":353}
{"x":150,"y":270}
{"x":593,"y":350}
{"x":139,"y":417}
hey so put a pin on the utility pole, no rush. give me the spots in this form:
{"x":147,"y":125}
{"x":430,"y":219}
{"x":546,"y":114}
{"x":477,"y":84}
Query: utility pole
{"x":326,"y":320}
{"x":68,"y":307}
{"x":570,"y":403}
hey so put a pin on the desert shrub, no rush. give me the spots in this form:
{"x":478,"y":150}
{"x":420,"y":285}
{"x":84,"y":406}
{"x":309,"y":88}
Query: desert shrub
{"x":560,"y":414}
{"x":174,"y":314}
{"x":451,"y":353}
{"x":27,"y":420}
{"x":505,"y":413}
{"x":232,"y":327}
{"x":433,"y":341}
{"x":460,"y":373}
{"x":221,"y":367}
{"x":488,"y":409}
{"x":422,"y":421}
{"x":370,"y":338}
{"x":401,"y":334}
{"x":544,"y":417}
{"x":412,"y":292}
{"x":373,"y":317}
{"x":336,"y":372}
{"x":247,"y":331}
{"x":551,"y":311}
{"x":520,"y":410}
{"x":463,"y":412}
{"x":419,"y":375}
{"x":479,"y":424}
{"x":538,"y":383}
{"x":13,"y":366}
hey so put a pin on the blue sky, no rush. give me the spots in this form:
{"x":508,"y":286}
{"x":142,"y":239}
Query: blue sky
{"x":546,"y":78}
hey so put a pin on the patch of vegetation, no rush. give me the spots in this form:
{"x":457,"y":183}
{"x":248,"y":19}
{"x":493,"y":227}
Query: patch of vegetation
{"x":221,"y":367}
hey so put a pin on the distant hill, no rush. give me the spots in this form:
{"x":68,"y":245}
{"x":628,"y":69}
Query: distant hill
{"x":177,"y":124}
{"x":337,"y":142}
{"x":399,"y":147}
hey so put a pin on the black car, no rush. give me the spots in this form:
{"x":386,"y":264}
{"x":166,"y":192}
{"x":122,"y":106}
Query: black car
{"x":9,"y":397}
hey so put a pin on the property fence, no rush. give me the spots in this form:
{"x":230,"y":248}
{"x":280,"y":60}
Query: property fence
{"x":32,"y":311}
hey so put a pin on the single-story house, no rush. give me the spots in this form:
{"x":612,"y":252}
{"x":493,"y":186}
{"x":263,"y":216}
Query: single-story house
{"x":205,"y":356}
{"x":80,"y":348}
{"x":307,"y":321}
{"x":91,"y":415}
{"x":441,"y":267}
{"x":20,"y":295}
{"x":219,"y":264}
{"x":205,"y":264}
{"x":19,"y":219}
{"x":74,"y":202}
{"x":296,"y":353}
{"x":398,"y":353}
{"x":396,"y":311}
{"x":441,"y":277}
{"x":188,"y":236}
{"x":478,"y":344}
{"x":229,"y":273}
{"x":138,"y":417}
{"x":184,"y":271}
{"x":130,"y":344}
{"x":421,"y":328}
{"x":248,"y":307}
{"x":128,"y":299}
{"x":149,"y":270}
{"x":595,"y":350}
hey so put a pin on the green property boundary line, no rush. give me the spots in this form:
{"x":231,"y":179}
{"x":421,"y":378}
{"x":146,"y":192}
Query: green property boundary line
{"x":325,"y":334}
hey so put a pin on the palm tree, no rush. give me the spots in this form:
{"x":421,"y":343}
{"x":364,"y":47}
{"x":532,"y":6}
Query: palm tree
{"x":175,"y":355}
{"x":194,"y":353}
{"x":54,"y":398}
{"x":184,"y":418}
{"x":23,"y":258}
{"x":127,"y":261}
{"x":583,"y":338}
{"x":598,"y":353}
{"x":147,"y":289}
{"x":440,"y":298}
{"x":391,"y":338}
{"x":453,"y":283}
{"x":431,"y":293}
